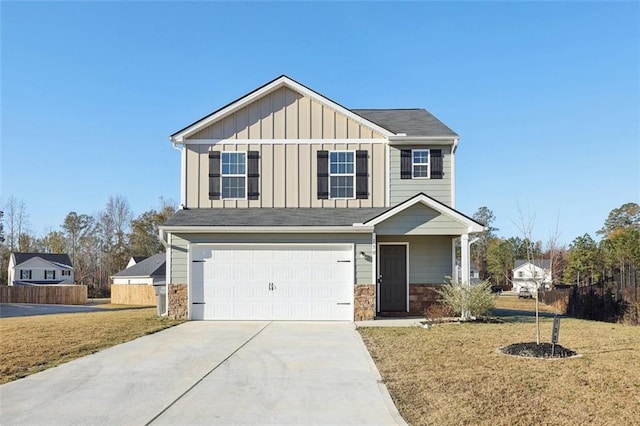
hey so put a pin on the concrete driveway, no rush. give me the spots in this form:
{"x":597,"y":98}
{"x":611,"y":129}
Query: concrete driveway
{"x":212,"y":373}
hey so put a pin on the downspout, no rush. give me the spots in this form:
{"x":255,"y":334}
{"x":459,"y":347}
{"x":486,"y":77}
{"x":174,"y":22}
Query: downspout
{"x":453,"y":172}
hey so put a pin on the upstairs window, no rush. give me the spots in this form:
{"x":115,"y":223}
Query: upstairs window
{"x":50,"y":275}
{"x":25,"y":274}
{"x":520,"y":274}
{"x":341,"y":174}
{"x":66,"y":273}
{"x":420,"y":164}
{"x":234,"y":175}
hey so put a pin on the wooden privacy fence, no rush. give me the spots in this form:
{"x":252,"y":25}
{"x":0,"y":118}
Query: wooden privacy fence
{"x":45,"y":294}
{"x":133,"y":294}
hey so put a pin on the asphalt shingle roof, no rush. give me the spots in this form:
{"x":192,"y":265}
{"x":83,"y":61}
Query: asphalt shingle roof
{"x":273,"y":216}
{"x":149,"y":267}
{"x":544,"y":263}
{"x":62,"y":259}
{"x":413,"y":122}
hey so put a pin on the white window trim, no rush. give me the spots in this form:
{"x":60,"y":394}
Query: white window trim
{"x":353,"y":175}
{"x":53,"y":271}
{"x":428,"y":164}
{"x":243,"y":175}
{"x":26,"y":272}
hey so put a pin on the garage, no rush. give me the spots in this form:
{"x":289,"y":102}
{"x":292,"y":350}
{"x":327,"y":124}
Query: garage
{"x":271,"y":282}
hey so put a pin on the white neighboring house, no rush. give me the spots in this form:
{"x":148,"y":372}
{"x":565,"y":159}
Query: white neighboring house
{"x":140,"y":270}
{"x":26,"y":269}
{"x":474,"y":273}
{"x":528,"y":275}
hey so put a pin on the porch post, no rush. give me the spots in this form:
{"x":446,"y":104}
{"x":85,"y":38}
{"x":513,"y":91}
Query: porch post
{"x":464,"y":245}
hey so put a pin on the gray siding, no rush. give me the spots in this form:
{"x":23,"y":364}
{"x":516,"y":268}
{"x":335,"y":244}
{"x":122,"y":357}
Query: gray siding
{"x":420,"y":220}
{"x":429,"y":257}
{"x":180,"y":242}
{"x":402,"y":189}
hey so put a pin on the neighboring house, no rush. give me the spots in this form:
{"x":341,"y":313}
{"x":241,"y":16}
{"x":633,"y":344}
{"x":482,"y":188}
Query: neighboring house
{"x":40,"y":269}
{"x":297,"y":208}
{"x":149,"y":270}
{"x":529,"y":275}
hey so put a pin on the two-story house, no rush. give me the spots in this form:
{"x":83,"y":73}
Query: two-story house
{"x":39,"y":269}
{"x":532,"y":275}
{"x":297,"y":208}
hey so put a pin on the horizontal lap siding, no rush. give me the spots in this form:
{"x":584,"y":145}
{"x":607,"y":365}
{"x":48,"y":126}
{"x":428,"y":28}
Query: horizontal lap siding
{"x":179,"y":245}
{"x":403,"y":189}
{"x":420,"y":220}
{"x":429,"y":257}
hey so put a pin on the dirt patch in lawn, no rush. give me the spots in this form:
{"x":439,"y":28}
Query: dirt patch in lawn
{"x":32,"y":344}
{"x":455,"y":375}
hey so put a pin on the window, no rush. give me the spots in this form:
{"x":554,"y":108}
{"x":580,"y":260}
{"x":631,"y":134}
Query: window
{"x":341,"y":174}
{"x":420,"y":163}
{"x":25,"y":274}
{"x":234,"y":175}
{"x":520,"y":274}
{"x":66,"y":273}
{"x":50,"y":275}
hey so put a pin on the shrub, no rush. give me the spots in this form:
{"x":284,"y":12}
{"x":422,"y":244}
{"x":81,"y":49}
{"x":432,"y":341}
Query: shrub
{"x":477,"y":299}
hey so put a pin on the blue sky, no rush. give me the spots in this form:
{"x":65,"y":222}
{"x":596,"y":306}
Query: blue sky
{"x":545,"y":96}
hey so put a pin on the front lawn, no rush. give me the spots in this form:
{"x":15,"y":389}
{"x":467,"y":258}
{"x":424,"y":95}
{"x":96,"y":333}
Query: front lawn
{"x":35,"y":343}
{"x":453,"y":374}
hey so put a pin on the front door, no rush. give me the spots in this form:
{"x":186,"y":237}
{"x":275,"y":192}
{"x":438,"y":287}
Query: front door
{"x":392,"y":276}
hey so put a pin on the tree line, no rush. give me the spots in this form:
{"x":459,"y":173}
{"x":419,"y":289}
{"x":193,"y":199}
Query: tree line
{"x":613,"y":261}
{"x":99,"y":244}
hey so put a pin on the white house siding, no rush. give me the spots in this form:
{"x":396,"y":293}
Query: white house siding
{"x":429,"y":257}
{"x":180,"y":243}
{"x":402,"y":189}
{"x":420,"y":220}
{"x":38,"y":267}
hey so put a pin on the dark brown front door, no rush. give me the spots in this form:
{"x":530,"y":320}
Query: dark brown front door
{"x":392,"y":277}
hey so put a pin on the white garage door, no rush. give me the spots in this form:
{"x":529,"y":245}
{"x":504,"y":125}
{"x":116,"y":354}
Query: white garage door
{"x":272,"y":282}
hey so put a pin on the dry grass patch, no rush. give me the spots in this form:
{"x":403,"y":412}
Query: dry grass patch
{"x":35,"y":343}
{"x":452,"y":374}
{"x":518,"y":304}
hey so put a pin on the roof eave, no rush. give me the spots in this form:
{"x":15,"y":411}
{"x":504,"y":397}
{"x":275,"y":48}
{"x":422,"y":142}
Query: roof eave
{"x":190,"y":229}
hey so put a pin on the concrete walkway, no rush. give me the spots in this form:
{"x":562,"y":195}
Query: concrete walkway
{"x":272,"y":373}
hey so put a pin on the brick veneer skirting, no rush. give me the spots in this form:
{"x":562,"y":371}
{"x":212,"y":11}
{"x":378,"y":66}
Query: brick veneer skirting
{"x":364,"y":301}
{"x":177,"y":300}
{"x":421,"y":296}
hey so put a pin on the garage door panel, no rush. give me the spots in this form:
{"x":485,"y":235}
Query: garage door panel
{"x":309,"y":282}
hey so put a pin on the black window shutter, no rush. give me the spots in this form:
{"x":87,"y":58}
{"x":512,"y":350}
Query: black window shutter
{"x":362,"y":175}
{"x":435,"y":159}
{"x":214,"y":175}
{"x":405,"y":164}
{"x":323,"y":175}
{"x":253,"y":175}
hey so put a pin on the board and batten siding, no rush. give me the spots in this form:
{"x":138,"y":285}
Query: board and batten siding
{"x":429,"y":257}
{"x":180,"y":244}
{"x":403,"y":189}
{"x":288,"y":175}
{"x":286,"y":114}
{"x":420,"y":220}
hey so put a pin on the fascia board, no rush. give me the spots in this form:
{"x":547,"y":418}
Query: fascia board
{"x":267,"y":229}
{"x":274,"y":85}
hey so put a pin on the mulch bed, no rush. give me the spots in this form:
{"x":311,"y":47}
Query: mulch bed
{"x":533,"y":350}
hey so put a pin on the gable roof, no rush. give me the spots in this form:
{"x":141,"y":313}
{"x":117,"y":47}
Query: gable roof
{"x":540,"y":263}
{"x":256,"y":217}
{"x":153,"y":266}
{"x":282,"y":81}
{"x":412,"y":122}
{"x":432,"y":203}
{"x":60,"y":259}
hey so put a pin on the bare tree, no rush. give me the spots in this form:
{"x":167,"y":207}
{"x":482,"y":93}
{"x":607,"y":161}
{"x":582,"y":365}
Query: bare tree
{"x":17,"y":222}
